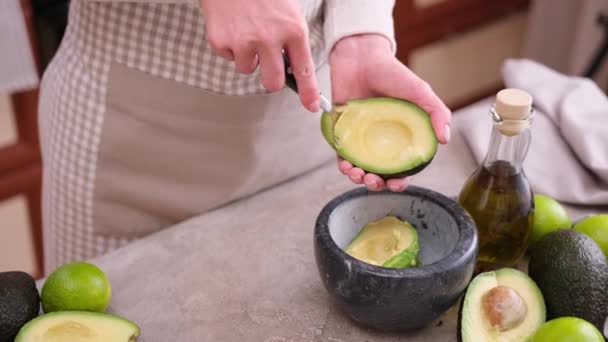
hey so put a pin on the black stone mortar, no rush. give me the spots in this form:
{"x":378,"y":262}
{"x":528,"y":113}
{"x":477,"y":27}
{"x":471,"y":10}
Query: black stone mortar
{"x":396,"y":299}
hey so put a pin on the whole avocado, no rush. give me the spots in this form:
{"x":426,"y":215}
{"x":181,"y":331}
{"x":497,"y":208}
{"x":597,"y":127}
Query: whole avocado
{"x":572,"y":273}
{"x":19,"y":303}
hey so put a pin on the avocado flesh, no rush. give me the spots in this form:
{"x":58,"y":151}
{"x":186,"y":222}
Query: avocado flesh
{"x":386,"y":136}
{"x":328,"y":120}
{"x":477,"y":325}
{"x":19,"y":302}
{"x":388,"y":242}
{"x":78,"y":326}
{"x":571,"y":270}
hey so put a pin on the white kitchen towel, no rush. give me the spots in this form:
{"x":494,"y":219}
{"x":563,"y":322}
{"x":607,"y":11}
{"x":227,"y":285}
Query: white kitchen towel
{"x":17,"y":69}
{"x":568,"y":155}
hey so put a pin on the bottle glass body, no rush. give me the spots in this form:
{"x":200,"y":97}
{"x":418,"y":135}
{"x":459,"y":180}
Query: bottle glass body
{"x":499,"y":198}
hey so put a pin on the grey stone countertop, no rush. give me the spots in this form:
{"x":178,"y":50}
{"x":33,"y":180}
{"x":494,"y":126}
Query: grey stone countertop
{"x":246,"y":272}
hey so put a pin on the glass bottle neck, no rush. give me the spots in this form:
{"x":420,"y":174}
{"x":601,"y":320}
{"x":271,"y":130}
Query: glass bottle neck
{"x":507,"y":150}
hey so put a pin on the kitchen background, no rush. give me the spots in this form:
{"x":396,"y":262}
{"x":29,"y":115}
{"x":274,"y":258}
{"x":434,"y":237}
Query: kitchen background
{"x":458,"y":46}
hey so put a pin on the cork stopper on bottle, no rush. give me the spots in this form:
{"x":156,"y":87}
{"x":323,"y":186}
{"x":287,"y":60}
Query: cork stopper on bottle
{"x":514,"y":107}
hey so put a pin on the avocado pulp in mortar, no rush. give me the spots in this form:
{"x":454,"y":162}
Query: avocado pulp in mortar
{"x":388,"y":242}
{"x":386,"y":136}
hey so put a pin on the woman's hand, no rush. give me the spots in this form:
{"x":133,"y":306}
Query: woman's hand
{"x":364,"y":66}
{"x":255,"y":32}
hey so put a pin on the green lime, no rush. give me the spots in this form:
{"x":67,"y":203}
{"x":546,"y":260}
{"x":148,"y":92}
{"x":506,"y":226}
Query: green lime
{"x":549,"y":216}
{"x":596,"y":227}
{"x":567,"y":329}
{"x":76,"y":286}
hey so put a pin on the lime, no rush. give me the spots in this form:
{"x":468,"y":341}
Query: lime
{"x":596,"y":227}
{"x":76,"y":286}
{"x":549,"y":216}
{"x":567,"y":329}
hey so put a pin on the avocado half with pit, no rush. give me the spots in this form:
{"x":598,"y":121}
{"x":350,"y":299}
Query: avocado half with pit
{"x":388,"y":242}
{"x":501,"y":305}
{"x":79,"y":326}
{"x":386,"y":136}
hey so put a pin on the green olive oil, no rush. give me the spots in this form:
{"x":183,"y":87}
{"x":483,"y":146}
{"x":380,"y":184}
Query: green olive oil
{"x":498,"y":195}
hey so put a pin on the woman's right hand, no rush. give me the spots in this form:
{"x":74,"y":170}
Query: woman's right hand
{"x":255,"y":32}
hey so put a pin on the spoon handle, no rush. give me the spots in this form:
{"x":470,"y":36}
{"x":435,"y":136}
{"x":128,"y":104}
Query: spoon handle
{"x":290,"y":80}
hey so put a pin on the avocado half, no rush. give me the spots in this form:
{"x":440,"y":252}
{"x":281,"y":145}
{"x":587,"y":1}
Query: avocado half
{"x":388,"y":242}
{"x":78,"y":326}
{"x":386,"y":136}
{"x":501,"y":305}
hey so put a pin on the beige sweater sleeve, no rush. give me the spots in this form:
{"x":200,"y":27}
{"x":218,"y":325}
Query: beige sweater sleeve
{"x":350,"y":17}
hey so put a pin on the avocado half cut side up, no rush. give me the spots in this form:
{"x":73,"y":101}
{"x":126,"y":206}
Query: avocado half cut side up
{"x":388,"y":242}
{"x":501,"y":305}
{"x":78,"y":326}
{"x":386,"y":136}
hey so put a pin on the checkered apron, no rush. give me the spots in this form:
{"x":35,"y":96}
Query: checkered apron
{"x":166,"y":41}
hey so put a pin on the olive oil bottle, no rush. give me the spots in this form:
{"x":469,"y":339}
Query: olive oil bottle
{"x":498,"y":195}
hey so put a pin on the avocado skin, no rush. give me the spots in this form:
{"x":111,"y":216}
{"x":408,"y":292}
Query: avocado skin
{"x":572,"y":273}
{"x":19,"y":302}
{"x":402,"y":174}
{"x":459,"y":320}
{"x":407,"y":173}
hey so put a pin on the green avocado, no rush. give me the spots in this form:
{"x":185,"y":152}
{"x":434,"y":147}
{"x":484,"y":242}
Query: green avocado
{"x":82,"y":326}
{"x":386,"y":136}
{"x":500,"y":305}
{"x":19,"y":302}
{"x":388,"y":242}
{"x":572,"y":272}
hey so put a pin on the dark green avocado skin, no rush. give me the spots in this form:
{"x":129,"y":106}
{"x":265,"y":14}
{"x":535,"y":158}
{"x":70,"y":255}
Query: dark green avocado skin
{"x":572,"y":273}
{"x":459,"y":322}
{"x":402,"y":174}
{"x":19,"y":303}
{"x":409,"y":172}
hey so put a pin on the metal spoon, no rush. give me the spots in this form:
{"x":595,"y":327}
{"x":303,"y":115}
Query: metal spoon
{"x":290,"y":80}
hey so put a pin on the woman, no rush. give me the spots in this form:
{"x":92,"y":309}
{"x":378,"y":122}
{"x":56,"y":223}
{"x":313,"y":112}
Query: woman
{"x":153,"y":111}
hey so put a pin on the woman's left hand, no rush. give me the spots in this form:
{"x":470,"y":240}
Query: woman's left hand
{"x":364,"y":66}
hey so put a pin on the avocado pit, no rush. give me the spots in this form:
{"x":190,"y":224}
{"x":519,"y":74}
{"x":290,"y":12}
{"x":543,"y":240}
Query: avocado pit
{"x":504,"y":308}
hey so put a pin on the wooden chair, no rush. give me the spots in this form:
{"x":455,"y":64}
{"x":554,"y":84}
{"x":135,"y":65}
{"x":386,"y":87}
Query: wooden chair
{"x":20,"y":163}
{"x":417,"y":26}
